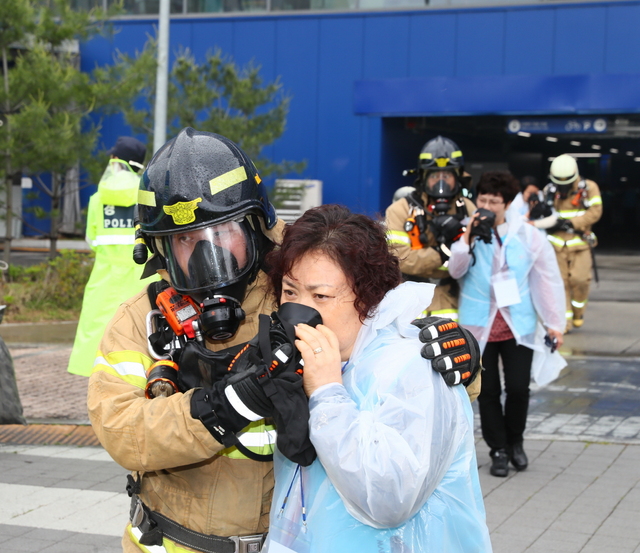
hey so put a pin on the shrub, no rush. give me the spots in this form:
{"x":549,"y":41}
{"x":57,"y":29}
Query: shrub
{"x":52,"y":290}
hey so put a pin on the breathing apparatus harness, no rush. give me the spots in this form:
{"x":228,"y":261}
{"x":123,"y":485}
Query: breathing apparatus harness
{"x":446,"y":228}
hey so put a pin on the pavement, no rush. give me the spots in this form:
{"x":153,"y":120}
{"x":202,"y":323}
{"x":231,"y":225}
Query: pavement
{"x":581,"y":492}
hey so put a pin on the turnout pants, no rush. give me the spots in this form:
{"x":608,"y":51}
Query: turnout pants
{"x":503,"y":427}
{"x":575,"y":268}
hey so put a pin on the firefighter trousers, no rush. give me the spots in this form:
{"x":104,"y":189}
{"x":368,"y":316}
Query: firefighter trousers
{"x":575,"y":268}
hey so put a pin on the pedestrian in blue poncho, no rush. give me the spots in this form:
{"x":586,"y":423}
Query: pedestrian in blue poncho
{"x":396,"y":469}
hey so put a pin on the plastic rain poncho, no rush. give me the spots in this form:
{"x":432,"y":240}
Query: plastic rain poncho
{"x":525,"y":255}
{"x":396,"y":469}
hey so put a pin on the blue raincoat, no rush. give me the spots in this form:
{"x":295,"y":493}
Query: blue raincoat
{"x":526,"y":256}
{"x":396,"y":469}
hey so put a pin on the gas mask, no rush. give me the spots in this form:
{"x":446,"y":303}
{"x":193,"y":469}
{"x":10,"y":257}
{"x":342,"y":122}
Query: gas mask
{"x":441,"y":187}
{"x":213,"y":265}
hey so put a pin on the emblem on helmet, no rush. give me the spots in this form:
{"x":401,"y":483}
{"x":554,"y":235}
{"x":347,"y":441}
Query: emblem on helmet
{"x":183,"y":213}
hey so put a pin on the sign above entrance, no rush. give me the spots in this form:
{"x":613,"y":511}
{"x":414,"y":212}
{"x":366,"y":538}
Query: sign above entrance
{"x":569,"y":125}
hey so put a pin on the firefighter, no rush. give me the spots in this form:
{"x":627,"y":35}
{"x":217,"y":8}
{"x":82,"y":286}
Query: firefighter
{"x":421,"y":226}
{"x":578,"y":205}
{"x":110,"y":234}
{"x":202,"y":476}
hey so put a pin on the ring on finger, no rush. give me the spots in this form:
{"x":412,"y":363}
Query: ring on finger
{"x":317,"y":350}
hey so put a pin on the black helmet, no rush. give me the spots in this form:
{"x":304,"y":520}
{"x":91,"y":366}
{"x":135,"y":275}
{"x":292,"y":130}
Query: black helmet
{"x":437,"y":155}
{"x":202,"y":193}
{"x":441,"y":154}
{"x":198,"y":178}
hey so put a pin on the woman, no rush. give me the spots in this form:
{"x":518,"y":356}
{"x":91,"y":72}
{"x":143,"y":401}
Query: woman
{"x":506,"y":286}
{"x":396,"y":468}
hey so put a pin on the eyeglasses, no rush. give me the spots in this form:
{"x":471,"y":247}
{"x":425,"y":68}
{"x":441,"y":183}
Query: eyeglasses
{"x":493,"y":202}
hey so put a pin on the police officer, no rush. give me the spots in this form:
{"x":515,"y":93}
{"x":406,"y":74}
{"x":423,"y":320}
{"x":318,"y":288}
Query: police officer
{"x":422,"y":225}
{"x":200,"y":458}
{"x":578,"y":205}
{"x":110,"y":234}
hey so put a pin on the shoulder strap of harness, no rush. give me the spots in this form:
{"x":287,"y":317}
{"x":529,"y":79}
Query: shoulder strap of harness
{"x":154,"y":289}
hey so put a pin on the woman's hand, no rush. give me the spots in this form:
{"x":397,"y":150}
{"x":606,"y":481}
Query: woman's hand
{"x":321,"y":354}
{"x":467,"y":233}
{"x":557,"y":335}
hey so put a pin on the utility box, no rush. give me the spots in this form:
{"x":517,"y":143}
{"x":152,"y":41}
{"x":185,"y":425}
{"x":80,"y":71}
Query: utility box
{"x":292,"y":197}
{"x":16,"y":221}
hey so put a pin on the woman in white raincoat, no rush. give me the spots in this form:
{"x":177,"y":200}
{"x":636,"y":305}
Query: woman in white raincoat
{"x":396,"y":468}
{"x":506,"y":287}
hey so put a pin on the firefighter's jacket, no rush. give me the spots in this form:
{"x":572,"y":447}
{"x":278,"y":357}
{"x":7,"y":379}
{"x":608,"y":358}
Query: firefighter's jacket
{"x":426,"y":263}
{"x":186,"y":474}
{"x":396,"y":468}
{"x":583,"y":207}
{"x":115,"y":277}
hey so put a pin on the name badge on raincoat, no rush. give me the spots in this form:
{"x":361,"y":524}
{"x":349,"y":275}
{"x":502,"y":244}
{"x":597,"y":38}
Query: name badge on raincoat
{"x":505,"y":288}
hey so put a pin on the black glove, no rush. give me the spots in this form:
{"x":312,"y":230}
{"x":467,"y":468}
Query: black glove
{"x":453,"y":350}
{"x":483,"y":225}
{"x":212,"y":407}
{"x":539,"y":210}
{"x":446,"y":229}
{"x":562,"y":225}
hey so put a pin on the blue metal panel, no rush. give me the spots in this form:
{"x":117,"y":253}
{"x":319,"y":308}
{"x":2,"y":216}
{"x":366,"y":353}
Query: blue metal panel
{"x":296,"y":53}
{"x":580,"y":40}
{"x":529,"y":42}
{"x":180,"y":38}
{"x":209,"y":34}
{"x":480,"y":43}
{"x":622,"y":39}
{"x":253,"y":41}
{"x":499,"y":95}
{"x":370,"y":164}
{"x":432,"y":44}
{"x":386,"y":47}
{"x":338,"y":135}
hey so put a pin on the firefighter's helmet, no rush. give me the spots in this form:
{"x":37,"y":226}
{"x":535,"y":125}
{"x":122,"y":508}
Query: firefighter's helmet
{"x":564,"y":170}
{"x":438,"y":157}
{"x":202,"y":209}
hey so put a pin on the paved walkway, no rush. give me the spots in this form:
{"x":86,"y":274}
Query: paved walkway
{"x":581,"y":492}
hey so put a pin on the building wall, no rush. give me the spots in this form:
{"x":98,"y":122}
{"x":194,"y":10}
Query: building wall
{"x":322,"y":57}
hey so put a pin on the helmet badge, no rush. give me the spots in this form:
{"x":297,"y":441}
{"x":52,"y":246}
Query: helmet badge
{"x":183,"y":213}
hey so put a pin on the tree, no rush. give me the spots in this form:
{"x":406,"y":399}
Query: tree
{"x":214,"y":96}
{"x":47,"y":100}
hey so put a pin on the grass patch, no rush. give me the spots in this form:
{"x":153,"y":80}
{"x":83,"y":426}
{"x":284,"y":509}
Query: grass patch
{"x":50,"y":291}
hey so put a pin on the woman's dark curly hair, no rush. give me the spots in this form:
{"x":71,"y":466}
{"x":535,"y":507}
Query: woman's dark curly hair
{"x":498,"y":183}
{"x":356,"y":243}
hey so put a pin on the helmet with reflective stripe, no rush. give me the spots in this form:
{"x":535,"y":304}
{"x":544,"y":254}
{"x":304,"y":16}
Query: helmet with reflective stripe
{"x":564,"y":170}
{"x":441,"y":154}
{"x":202,"y":210}
{"x":196,"y":179}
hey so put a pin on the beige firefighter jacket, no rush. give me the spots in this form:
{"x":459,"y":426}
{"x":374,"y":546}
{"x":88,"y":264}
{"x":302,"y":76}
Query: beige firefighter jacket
{"x":426,"y":262}
{"x":583,"y":216}
{"x":186,"y":474}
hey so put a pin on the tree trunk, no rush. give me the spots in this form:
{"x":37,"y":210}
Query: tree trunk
{"x":55,"y":214}
{"x":8,"y":181}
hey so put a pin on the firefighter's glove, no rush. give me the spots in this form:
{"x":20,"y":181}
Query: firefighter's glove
{"x":248,"y":392}
{"x":446,"y":228}
{"x":562,"y":225}
{"x":453,"y":350}
{"x":212,"y":407}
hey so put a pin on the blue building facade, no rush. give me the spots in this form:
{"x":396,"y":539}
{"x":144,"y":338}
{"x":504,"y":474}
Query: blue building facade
{"x":369,"y":88}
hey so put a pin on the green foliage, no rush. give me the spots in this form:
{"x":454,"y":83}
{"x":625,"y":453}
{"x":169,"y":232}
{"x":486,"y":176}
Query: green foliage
{"x":45,"y":97}
{"x":52,"y":290}
{"x":214,"y":96}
